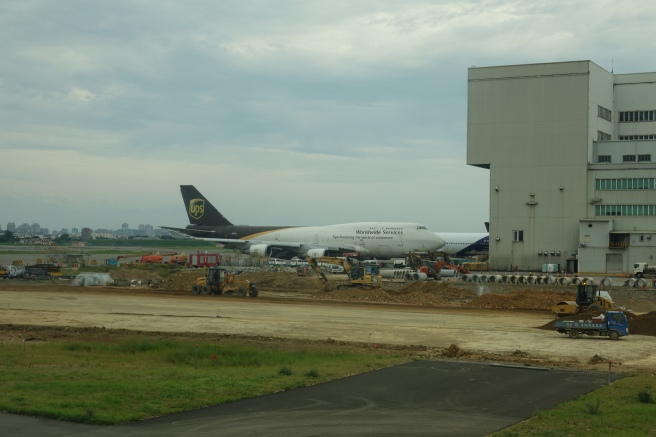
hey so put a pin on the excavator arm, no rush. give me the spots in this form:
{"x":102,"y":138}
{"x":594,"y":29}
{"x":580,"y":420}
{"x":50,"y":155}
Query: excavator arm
{"x":314,"y":263}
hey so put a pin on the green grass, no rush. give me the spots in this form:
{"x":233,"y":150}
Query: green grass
{"x":137,"y":378}
{"x":615,"y":410}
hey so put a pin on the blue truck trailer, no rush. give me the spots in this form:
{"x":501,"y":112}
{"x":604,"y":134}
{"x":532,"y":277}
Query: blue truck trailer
{"x":612,"y":324}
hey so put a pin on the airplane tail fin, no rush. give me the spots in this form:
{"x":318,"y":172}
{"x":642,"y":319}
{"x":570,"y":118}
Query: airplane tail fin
{"x":200,"y":211}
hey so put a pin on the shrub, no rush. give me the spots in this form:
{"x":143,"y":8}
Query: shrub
{"x":593,"y":408}
{"x":645,"y":397}
{"x":285,"y":371}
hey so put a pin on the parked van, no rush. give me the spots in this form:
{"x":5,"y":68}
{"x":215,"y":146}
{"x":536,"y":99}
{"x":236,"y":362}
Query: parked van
{"x":297,"y":262}
{"x":277,"y":262}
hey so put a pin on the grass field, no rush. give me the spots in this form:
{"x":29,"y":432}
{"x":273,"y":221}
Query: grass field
{"x":138,"y":378}
{"x":625,"y":408}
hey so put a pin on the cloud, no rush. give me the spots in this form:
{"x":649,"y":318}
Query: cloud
{"x":107,"y":107}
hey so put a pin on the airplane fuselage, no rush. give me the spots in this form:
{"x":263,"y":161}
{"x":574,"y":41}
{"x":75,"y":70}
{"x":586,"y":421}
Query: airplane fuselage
{"x":369,"y":239}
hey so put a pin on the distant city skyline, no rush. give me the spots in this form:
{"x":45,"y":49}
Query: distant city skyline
{"x":123,"y":231}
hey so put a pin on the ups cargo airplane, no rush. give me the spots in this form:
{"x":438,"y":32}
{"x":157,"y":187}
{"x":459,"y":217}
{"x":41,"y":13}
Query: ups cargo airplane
{"x":369,"y":239}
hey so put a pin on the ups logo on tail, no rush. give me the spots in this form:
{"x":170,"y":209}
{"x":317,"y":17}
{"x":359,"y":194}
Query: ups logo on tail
{"x":196,"y":208}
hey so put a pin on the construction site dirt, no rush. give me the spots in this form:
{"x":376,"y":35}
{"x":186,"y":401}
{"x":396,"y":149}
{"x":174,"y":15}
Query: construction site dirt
{"x":432,"y":319}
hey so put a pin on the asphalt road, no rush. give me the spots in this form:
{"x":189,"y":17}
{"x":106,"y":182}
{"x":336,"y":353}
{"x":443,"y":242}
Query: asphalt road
{"x":431,"y":398}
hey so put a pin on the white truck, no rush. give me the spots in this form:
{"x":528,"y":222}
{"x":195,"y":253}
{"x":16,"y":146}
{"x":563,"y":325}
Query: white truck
{"x":641,"y":270}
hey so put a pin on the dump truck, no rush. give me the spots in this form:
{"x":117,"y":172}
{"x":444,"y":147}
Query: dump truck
{"x":218,"y":281}
{"x":588,"y":300}
{"x":358,"y":276}
{"x":613,"y":325}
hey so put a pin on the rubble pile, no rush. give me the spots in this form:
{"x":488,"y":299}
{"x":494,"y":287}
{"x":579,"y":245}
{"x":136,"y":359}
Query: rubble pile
{"x":181,"y":281}
{"x":521,"y":300}
{"x":407,"y":297}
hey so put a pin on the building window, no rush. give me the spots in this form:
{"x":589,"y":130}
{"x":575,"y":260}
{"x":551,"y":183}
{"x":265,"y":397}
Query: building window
{"x":603,"y":158}
{"x":628,"y":158}
{"x":518,"y":235}
{"x":625,"y":184}
{"x":637,"y":137}
{"x":644,"y":158}
{"x":628,"y":116}
{"x":603,"y":136}
{"x":625,"y":210}
{"x":603,"y":113}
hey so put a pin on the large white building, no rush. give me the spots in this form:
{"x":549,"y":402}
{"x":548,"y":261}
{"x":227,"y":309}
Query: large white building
{"x":571,"y":150}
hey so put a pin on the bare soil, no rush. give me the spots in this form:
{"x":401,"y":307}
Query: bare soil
{"x":489,"y":322}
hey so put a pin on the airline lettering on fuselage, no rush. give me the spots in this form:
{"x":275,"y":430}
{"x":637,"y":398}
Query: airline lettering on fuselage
{"x":379,"y":231}
{"x":196,"y":208}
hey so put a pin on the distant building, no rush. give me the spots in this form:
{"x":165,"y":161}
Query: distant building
{"x":86,"y":234}
{"x":11,"y":227}
{"x":571,"y":151}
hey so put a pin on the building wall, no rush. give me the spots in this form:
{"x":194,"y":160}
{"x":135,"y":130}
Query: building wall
{"x":529,"y":125}
{"x":539,"y":130}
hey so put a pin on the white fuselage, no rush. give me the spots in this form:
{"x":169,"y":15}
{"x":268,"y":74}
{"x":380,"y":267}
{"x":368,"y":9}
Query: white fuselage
{"x":370,"y":239}
{"x":455,"y":242}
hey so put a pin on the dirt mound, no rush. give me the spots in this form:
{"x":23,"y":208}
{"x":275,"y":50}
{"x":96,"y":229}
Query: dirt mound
{"x":143,"y":275}
{"x":407,"y":297}
{"x":283,"y":281}
{"x":524,"y":300}
{"x":181,"y":281}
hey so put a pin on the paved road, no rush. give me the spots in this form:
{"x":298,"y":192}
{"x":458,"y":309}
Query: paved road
{"x":436,"y":398}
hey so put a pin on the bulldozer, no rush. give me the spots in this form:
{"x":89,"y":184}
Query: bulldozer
{"x":218,"y":281}
{"x":358,"y":276}
{"x":588,"y":300}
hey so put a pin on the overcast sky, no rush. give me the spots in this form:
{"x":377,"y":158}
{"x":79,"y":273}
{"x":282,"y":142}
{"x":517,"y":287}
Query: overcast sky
{"x":279,"y":112}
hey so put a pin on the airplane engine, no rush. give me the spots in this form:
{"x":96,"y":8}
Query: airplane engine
{"x":316,"y":253}
{"x":260,"y":250}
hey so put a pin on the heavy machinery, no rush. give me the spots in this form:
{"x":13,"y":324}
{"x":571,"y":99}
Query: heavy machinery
{"x":588,"y":300}
{"x":613,"y":325}
{"x":642,"y":270}
{"x":358,"y":276}
{"x":218,"y":281}
{"x":432,"y":267}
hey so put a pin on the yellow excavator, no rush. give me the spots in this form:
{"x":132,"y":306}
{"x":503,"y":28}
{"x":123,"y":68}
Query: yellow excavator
{"x":218,"y":281}
{"x":358,"y":276}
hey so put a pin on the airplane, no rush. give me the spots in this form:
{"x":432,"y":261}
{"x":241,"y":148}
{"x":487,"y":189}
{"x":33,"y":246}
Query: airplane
{"x":367,"y":239}
{"x":460,"y":244}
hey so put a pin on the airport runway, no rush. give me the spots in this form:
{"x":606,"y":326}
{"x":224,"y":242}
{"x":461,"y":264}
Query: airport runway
{"x":421,"y":398}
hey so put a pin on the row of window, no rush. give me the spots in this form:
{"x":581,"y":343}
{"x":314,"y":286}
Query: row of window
{"x":603,"y":113}
{"x":628,"y":116}
{"x":626,"y":210}
{"x":637,"y":137}
{"x":603,"y":136}
{"x":625,"y":184}
{"x":626,"y":158}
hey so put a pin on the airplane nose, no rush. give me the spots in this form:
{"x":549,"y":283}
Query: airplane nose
{"x":438,"y":242}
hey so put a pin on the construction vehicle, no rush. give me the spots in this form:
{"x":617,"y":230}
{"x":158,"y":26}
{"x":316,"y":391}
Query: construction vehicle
{"x":641,"y":270}
{"x":52,"y":269}
{"x":588,"y":300}
{"x":432,"y":268}
{"x":179,"y":258}
{"x":613,"y":325}
{"x":358,"y":276}
{"x":204,"y":260}
{"x":218,"y":281}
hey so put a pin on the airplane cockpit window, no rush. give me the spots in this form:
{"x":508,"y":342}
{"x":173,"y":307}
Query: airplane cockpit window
{"x":421,"y":227}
